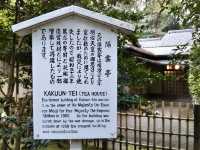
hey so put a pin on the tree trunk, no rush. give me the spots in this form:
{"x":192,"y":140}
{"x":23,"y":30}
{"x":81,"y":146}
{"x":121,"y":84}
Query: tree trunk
{"x":11,"y":81}
{"x":4,"y":145}
{"x":17,"y":143}
{"x":163,"y":5}
{"x":157,"y":22}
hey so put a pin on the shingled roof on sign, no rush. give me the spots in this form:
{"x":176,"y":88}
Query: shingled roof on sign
{"x":26,"y":27}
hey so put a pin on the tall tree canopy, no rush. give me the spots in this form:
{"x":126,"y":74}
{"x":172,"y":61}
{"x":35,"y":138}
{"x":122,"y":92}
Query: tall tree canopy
{"x":190,"y":15}
{"x":16,"y":52}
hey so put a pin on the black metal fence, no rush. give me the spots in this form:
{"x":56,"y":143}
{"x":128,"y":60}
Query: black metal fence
{"x":159,"y":125}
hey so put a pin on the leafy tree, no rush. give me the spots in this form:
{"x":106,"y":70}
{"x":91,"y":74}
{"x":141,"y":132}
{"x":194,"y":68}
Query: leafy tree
{"x":189,"y":15}
{"x":16,"y":124}
{"x":158,"y":17}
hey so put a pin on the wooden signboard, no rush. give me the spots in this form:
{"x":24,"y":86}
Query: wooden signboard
{"x":74,"y":59}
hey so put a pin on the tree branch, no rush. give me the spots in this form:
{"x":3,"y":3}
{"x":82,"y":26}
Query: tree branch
{"x":2,"y":92}
{"x":20,"y":42}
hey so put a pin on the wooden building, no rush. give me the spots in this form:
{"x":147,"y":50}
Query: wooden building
{"x":168,"y":55}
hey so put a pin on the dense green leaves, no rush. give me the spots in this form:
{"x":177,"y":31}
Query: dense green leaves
{"x":194,"y":76}
{"x":17,"y":125}
{"x":190,"y":15}
{"x":16,"y":52}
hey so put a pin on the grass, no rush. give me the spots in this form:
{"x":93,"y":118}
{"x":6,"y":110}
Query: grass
{"x":55,"y":146}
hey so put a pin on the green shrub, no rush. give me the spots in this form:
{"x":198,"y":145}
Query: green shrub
{"x":194,"y":75}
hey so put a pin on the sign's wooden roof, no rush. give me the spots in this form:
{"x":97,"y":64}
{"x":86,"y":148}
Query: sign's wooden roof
{"x":26,"y":27}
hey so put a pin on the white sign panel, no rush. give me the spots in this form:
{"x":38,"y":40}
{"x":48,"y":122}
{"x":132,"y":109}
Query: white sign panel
{"x":74,"y":80}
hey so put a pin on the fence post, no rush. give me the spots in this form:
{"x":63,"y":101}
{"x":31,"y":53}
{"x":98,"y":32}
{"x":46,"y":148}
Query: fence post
{"x":104,"y":145}
{"x":196,"y":127}
{"x":75,"y":145}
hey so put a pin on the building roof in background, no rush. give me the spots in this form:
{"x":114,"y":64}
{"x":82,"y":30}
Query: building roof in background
{"x":160,"y":62}
{"x":27,"y":26}
{"x":168,"y":44}
{"x":150,"y":42}
{"x":168,"y":50}
{"x":139,"y":50}
{"x":177,"y":37}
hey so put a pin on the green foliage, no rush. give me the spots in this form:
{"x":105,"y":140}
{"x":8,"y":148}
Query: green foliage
{"x":126,"y":101}
{"x":189,"y":13}
{"x":18,"y":122}
{"x":194,"y":76}
{"x":158,"y":16}
{"x":31,"y":144}
{"x":133,"y":72}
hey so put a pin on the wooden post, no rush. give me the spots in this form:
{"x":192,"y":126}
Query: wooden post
{"x":75,"y":145}
{"x":196,"y":127}
{"x":104,"y":145}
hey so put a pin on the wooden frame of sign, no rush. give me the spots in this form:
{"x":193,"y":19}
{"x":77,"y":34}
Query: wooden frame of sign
{"x":74,"y":60}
